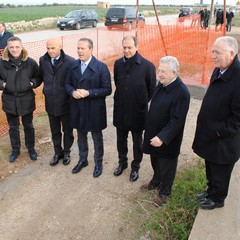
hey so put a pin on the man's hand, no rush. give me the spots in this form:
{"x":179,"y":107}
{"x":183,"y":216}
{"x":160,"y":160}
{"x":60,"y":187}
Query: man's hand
{"x":156,"y":142}
{"x":80,"y":93}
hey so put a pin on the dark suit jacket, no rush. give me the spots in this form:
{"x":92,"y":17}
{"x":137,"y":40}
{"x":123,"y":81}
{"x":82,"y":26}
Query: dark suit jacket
{"x":4,"y":38}
{"x":166,"y":119}
{"x":217,"y":137}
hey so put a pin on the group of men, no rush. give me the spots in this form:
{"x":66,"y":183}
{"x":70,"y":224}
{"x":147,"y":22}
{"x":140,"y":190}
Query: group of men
{"x":219,"y":14}
{"x":75,"y":92}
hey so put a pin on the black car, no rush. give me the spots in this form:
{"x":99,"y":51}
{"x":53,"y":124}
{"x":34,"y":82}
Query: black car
{"x":77,"y":19}
{"x":123,"y":18}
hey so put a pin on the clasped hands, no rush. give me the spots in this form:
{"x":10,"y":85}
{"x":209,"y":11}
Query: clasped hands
{"x":80,"y":93}
{"x":156,"y":142}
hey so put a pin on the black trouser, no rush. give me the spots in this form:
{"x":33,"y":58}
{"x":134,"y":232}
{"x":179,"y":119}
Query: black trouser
{"x":27,"y":121}
{"x":122,"y":147}
{"x":57,"y":125}
{"x":164,"y":171}
{"x":218,"y":177}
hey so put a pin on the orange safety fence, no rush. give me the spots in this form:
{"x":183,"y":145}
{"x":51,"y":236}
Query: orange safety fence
{"x":186,"y":40}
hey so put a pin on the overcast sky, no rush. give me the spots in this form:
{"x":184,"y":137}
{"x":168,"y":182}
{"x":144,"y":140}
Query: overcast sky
{"x":180,"y":2}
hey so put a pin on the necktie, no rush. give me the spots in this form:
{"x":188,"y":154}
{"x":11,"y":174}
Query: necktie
{"x":83,"y":67}
{"x":54,"y":61}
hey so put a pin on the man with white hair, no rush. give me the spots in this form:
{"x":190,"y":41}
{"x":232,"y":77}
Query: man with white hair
{"x":217,"y":137}
{"x":164,"y":128}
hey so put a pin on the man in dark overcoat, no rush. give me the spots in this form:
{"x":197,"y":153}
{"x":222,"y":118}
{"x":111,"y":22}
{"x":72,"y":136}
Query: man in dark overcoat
{"x":88,"y":84}
{"x":217,"y":137}
{"x":164,"y":127}
{"x":54,"y":66}
{"x":135,"y":81}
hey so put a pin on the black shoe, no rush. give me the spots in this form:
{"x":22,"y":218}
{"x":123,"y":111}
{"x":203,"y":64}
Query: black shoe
{"x":66,"y":159}
{"x":56,"y":159}
{"x":209,"y":204}
{"x":97,"y":171}
{"x":119,"y":170}
{"x":79,"y":166}
{"x":134,"y":175}
{"x":201,"y":196}
{"x":14,"y":156}
{"x":33,"y":154}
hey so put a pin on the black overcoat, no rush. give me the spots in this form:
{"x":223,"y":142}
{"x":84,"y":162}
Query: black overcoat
{"x":89,"y":114}
{"x":18,"y":97}
{"x":217,"y":137}
{"x":56,"y":97}
{"x":166,"y":119}
{"x":134,"y":89}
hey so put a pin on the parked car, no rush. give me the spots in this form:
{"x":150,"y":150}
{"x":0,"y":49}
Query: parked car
{"x":187,"y":11}
{"x":123,"y":18}
{"x":77,"y":19}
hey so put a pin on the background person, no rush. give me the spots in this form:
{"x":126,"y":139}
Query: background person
{"x":54,"y":66}
{"x":164,"y":127}
{"x":135,"y":81}
{"x":19,"y":74}
{"x":230,"y":16}
{"x":4,"y":36}
{"x":88,"y":85}
{"x":217,"y":136}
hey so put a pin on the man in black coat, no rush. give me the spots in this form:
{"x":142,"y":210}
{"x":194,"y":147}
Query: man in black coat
{"x":135,"y":81}
{"x":19,"y":74}
{"x":164,"y":127}
{"x":4,"y":36}
{"x":54,"y":67}
{"x":217,"y":137}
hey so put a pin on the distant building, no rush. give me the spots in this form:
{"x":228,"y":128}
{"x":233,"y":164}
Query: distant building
{"x":103,"y":4}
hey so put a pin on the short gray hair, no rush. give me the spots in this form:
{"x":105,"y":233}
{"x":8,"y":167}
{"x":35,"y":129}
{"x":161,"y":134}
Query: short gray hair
{"x":172,"y":62}
{"x":230,"y":43}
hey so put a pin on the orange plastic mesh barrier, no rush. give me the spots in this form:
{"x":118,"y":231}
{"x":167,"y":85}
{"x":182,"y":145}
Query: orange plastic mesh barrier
{"x":186,"y":40}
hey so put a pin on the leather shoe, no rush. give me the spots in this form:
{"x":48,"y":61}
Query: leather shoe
{"x":97,"y":171}
{"x":14,"y":156}
{"x":33,"y":154}
{"x":56,"y":159}
{"x":119,"y":170}
{"x":209,"y":204}
{"x":201,"y":196}
{"x":134,"y":175}
{"x":79,"y":166}
{"x":66,"y":159}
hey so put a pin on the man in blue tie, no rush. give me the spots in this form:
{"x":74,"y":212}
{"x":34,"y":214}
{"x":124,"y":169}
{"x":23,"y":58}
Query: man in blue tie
{"x":88,"y":89}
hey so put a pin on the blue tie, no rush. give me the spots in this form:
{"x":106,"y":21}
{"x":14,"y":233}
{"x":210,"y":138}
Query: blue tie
{"x":83,"y":67}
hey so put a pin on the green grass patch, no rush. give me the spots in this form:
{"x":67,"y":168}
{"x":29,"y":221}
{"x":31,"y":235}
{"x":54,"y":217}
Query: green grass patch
{"x":175,"y":219}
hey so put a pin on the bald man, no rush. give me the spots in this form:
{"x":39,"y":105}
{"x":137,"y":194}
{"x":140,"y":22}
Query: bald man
{"x":54,"y":69}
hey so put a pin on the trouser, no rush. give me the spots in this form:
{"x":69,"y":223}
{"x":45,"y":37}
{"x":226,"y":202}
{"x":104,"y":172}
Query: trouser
{"x":122,"y":147}
{"x":218,"y":178}
{"x":58,"y":125}
{"x":14,"y":134}
{"x":229,"y":26}
{"x":164,"y":171}
{"x":83,"y":146}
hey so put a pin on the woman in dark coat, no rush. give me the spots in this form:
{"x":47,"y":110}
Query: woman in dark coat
{"x":19,"y":74}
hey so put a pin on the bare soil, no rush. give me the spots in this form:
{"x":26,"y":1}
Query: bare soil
{"x":42,"y":202}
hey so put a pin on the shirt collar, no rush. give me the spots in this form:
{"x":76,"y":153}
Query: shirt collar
{"x":170,"y":82}
{"x":87,"y":62}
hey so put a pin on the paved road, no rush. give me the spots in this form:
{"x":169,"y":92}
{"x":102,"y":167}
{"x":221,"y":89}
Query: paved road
{"x":45,"y":34}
